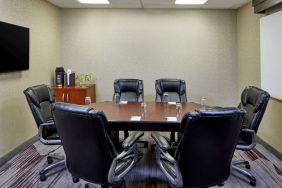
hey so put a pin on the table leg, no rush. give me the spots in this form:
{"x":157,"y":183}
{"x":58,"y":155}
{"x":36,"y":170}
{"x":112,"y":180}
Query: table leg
{"x":114,"y":135}
{"x":172,"y":136}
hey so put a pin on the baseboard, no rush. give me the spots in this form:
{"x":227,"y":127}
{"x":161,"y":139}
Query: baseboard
{"x":17,"y":150}
{"x":269,"y":148}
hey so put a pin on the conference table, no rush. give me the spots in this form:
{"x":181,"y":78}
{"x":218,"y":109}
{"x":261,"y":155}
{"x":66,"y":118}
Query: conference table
{"x":124,"y":116}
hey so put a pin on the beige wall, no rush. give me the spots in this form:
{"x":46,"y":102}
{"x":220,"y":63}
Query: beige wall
{"x":248,"y":41}
{"x":16,"y":122}
{"x":199,"y":46}
{"x":196,"y":45}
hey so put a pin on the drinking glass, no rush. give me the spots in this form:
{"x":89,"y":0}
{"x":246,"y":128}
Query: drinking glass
{"x":116,"y":98}
{"x":165,"y":97}
{"x":165,"y":101}
{"x":203,"y":102}
{"x":87,"y":100}
{"x":143,"y":109}
{"x":178,"y":109}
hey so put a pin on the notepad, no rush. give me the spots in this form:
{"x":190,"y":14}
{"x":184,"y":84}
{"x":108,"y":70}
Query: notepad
{"x":171,"y":119}
{"x":123,"y":102}
{"x":171,"y":103}
{"x":135,"y":118}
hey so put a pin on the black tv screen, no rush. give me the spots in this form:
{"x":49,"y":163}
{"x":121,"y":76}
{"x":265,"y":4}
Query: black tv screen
{"x":14,"y":47}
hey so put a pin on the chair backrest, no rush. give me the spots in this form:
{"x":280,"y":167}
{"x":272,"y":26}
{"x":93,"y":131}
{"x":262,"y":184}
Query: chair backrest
{"x":207,"y":145}
{"x":39,"y":99}
{"x":89,"y":151}
{"x":175,"y":89}
{"x":129,"y":90}
{"x":254,"y":101}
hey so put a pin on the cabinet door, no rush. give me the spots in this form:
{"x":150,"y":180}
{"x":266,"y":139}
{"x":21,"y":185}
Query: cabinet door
{"x":90,"y":91}
{"x":60,"y":94}
{"x":76,"y":96}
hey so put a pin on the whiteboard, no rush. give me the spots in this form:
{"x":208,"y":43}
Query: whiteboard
{"x":271,"y":54}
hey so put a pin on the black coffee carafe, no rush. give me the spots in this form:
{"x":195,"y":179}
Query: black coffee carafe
{"x":60,"y":75}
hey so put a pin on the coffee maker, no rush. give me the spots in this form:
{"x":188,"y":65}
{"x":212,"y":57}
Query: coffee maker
{"x":60,"y":76}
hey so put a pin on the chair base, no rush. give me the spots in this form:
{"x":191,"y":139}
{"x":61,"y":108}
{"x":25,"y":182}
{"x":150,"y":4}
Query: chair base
{"x":246,"y":164}
{"x":120,"y":184}
{"x":75,"y":179}
{"x":236,"y":168}
{"x":50,"y":167}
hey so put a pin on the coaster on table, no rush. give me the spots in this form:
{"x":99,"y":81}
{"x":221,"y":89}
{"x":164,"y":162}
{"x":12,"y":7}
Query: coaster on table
{"x":171,"y":103}
{"x":171,"y":119}
{"x":123,"y":102}
{"x":135,"y":118}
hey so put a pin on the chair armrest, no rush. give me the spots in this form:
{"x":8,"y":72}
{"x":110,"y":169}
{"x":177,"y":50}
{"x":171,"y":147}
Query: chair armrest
{"x":127,"y":158}
{"x":48,"y":123}
{"x":166,"y":156}
{"x":166,"y":162}
{"x":129,"y":145}
{"x":40,"y":133}
{"x":252,"y":145}
{"x":160,"y":141}
{"x":130,"y":140}
{"x":171,"y":171}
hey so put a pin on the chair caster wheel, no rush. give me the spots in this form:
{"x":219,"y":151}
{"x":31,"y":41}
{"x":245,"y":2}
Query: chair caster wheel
{"x":253,"y":183}
{"x":248,"y":166}
{"x":75,"y":179}
{"x":43,"y":177}
{"x":49,"y":160}
{"x":221,"y":184}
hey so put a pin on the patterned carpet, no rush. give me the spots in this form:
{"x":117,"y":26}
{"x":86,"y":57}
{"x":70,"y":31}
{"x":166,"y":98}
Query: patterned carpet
{"x":23,"y":170}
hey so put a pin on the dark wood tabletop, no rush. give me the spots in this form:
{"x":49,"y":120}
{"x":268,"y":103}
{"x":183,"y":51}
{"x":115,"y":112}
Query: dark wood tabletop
{"x":119,"y":115}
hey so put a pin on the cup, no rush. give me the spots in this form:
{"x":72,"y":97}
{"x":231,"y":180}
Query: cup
{"x":178,"y":109}
{"x":116,"y":98}
{"x":203,"y":102}
{"x":165,"y":98}
{"x":143,"y":109}
{"x":87,"y":100}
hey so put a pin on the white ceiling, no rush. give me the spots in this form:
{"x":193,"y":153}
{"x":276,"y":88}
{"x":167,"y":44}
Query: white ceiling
{"x":211,"y":4}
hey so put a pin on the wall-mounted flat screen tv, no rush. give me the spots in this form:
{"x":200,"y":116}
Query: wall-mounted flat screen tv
{"x":14,"y":47}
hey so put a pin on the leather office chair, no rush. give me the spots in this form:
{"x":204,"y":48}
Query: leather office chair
{"x":129,"y":90}
{"x":175,"y":89}
{"x":40,"y":98}
{"x":90,"y":154}
{"x":170,"y":90}
{"x":254,"y":101}
{"x":204,"y":153}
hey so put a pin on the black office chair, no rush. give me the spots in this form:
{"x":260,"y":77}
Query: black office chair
{"x":40,"y":98}
{"x":204,"y":153}
{"x":129,"y":90}
{"x":174,"y":89}
{"x":90,"y":154}
{"x":254,"y":101}
{"x":170,"y":90}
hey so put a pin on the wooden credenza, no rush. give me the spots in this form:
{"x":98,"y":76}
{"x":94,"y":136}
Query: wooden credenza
{"x":75,"y":94}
